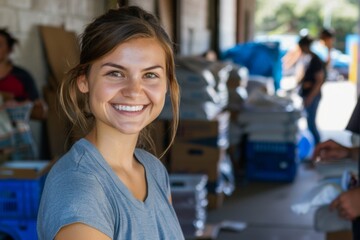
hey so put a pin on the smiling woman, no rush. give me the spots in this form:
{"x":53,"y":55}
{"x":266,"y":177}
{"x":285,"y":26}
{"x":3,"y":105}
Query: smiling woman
{"x":106,"y":186}
{"x":128,"y":87}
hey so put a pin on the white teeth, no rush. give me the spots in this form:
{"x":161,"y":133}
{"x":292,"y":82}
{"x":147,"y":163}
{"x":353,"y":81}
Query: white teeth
{"x":129,"y":108}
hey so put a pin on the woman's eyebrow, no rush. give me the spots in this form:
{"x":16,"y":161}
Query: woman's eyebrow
{"x":110,"y":64}
{"x":154,"y":67}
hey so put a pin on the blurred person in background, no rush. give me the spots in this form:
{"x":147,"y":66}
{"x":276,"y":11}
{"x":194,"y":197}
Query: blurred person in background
{"x":310,"y":81}
{"x":324,"y":45}
{"x":16,"y":84}
{"x":321,"y":47}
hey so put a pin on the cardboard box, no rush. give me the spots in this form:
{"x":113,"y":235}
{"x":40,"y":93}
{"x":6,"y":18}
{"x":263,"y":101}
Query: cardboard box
{"x":193,"y":158}
{"x":25,"y":169}
{"x":210,"y":133}
{"x":57,"y":125}
{"x":62,"y":52}
{"x":339,"y":235}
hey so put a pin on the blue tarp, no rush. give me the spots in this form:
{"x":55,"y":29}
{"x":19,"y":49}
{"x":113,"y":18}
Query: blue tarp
{"x":262,"y":59}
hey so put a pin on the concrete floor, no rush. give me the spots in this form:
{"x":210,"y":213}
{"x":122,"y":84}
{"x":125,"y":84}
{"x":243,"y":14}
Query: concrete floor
{"x":265,"y":207}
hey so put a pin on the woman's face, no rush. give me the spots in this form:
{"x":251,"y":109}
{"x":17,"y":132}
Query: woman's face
{"x":4,"y":49}
{"x":127,"y":87}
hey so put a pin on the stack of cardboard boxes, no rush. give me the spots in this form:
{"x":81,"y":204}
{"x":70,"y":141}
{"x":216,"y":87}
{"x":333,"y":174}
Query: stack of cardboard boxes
{"x":200,"y":147}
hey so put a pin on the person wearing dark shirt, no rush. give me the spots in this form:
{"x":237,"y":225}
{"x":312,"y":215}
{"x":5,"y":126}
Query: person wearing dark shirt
{"x":310,"y":84}
{"x":17,"y":84}
{"x":20,"y":98}
{"x":326,"y":40}
{"x":348,"y":203}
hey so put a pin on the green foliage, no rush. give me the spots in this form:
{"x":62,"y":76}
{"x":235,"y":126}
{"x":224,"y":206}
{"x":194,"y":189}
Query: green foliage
{"x":353,"y":1}
{"x":290,"y":16}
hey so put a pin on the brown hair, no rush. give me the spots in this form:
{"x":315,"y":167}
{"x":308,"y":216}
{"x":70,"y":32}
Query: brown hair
{"x":10,"y":40}
{"x":101,"y":37}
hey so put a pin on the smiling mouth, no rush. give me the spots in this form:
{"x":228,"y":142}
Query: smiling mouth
{"x":128,"y":108}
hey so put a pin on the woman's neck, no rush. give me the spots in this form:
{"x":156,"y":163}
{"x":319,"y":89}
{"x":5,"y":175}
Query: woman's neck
{"x":116,"y":148}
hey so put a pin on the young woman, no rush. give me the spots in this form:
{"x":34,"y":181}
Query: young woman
{"x":106,"y":187}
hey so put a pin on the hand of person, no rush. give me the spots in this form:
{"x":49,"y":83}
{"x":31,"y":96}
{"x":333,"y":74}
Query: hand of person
{"x":39,"y":110}
{"x":348,"y":204}
{"x":330,"y":150}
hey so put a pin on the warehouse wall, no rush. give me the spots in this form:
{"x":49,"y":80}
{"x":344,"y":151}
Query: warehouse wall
{"x":246,"y":20}
{"x":194,"y":35}
{"x":22,"y":18}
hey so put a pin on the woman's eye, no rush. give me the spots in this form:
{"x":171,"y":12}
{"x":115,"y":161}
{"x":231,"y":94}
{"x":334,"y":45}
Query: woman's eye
{"x":151,"y":75}
{"x":115,"y":74}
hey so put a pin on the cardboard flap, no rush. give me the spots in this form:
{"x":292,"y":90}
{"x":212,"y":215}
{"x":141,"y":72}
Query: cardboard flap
{"x":61,"y":48}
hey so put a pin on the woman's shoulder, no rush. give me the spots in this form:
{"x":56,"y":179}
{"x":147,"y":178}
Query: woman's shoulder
{"x":77,"y":169}
{"x":69,"y":193}
{"x":74,"y":162}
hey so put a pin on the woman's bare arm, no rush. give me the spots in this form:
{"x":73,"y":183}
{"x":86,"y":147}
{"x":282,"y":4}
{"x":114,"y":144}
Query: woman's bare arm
{"x":80,"y":231}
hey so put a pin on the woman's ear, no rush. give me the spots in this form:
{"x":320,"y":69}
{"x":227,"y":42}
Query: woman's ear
{"x":83,"y":84}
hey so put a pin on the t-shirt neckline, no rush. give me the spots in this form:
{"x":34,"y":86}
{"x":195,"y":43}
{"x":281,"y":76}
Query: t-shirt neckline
{"x":147,"y":203}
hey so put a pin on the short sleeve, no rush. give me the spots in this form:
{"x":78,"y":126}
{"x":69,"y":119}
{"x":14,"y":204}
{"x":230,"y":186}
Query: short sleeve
{"x":70,"y":198}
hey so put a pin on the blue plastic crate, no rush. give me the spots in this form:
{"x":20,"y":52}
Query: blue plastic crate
{"x":18,"y":229}
{"x":20,"y":198}
{"x":271,"y":161}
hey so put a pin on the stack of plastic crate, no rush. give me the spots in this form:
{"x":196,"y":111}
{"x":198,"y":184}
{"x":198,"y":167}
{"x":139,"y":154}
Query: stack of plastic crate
{"x":271,"y":146}
{"x":189,"y":197}
{"x":21,"y":185}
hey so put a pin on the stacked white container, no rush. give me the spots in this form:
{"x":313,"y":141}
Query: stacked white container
{"x":189,"y":197}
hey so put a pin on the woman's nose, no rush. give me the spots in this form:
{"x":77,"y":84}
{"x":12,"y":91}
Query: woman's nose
{"x":133,"y":88}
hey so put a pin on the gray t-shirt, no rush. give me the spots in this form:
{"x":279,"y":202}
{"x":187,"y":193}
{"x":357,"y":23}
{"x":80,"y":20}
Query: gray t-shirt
{"x":82,"y":187}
